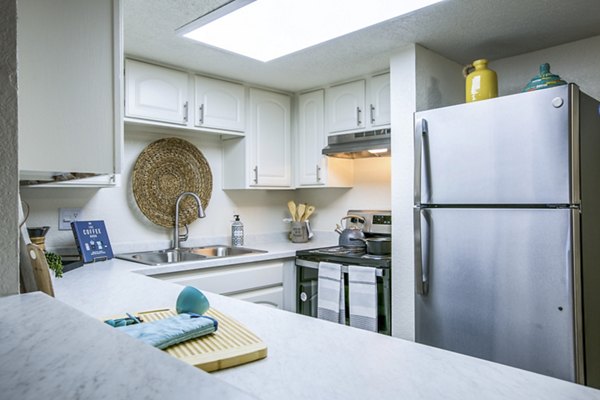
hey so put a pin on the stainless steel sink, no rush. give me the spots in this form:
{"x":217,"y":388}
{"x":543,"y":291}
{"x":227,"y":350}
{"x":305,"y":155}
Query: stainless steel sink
{"x":161,"y":257}
{"x":222,"y":251}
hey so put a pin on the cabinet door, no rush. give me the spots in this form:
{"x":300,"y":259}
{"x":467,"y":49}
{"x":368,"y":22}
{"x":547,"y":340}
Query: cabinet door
{"x":311,"y":139}
{"x":269,"y":139}
{"x":156,"y":93}
{"x":69,"y":101}
{"x":346,"y":106}
{"x":219,"y":104}
{"x":379,"y":99}
{"x":270,"y":297}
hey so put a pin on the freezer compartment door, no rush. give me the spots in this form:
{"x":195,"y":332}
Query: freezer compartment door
{"x":508,"y":150}
{"x":499,"y":286}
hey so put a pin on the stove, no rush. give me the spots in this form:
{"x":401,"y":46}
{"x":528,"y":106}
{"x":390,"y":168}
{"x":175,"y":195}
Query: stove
{"x":345,"y":255}
{"x":377,"y":223}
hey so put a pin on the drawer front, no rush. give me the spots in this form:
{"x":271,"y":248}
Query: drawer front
{"x":233,"y":279}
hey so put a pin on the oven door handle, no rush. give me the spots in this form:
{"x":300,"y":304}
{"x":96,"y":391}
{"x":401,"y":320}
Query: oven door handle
{"x":315,"y":265}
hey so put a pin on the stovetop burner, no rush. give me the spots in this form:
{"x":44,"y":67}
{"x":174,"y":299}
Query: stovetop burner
{"x":376,"y":257}
{"x":341,"y":250}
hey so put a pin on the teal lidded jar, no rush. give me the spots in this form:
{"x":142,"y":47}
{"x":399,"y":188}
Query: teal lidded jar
{"x":544,"y":80}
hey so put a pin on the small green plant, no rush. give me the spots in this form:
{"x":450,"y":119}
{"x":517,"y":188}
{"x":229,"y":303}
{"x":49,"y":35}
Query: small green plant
{"x":55,"y":263}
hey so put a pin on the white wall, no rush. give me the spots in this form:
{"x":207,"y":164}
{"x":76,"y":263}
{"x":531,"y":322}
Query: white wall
{"x":403,"y":99}
{"x":9,"y":236}
{"x":371,"y":191}
{"x":577,"y":62}
{"x":420,"y":79}
{"x":440,"y":82}
{"x":261,"y":211}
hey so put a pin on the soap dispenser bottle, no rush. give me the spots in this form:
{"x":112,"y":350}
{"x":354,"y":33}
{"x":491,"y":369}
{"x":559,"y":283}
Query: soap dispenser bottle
{"x":237,"y":232}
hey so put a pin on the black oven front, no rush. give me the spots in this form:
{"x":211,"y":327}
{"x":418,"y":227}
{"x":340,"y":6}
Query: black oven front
{"x":307,"y":271}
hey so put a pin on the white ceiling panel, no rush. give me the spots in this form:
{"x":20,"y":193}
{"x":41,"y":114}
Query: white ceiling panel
{"x":461,"y":30}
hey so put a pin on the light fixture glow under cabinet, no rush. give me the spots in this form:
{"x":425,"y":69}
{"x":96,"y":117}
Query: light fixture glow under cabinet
{"x":377,"y":151}
{"x":269,"y":29}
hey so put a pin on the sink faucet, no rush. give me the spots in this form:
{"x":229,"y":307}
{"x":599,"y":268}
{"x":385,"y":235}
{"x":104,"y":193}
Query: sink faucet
{"x":201,"y":214}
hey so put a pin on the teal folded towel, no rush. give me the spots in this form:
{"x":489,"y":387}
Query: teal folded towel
{"x":169,"y":331}
{"x":129,"y":320}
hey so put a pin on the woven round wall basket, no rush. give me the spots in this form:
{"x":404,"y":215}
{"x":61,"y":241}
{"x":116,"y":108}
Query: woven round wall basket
{"x":164,"y":170}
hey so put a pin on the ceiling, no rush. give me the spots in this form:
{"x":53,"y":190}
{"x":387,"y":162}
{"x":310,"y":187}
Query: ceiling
{"x":461,"y":30}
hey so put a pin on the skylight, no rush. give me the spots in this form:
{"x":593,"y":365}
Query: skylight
{"x":269,"y":29}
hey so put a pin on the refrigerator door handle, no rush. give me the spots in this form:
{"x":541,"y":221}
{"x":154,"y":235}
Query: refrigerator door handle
{"x":573,"y":251}
{"x":421,"y":130}
{"x":421,"y":242}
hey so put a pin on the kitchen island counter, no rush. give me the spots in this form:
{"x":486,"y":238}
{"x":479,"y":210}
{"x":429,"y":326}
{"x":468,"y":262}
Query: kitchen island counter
{"x":311,"y":358}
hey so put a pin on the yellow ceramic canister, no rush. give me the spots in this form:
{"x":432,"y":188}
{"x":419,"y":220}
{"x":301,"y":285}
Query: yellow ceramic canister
{"x":481,"y":83}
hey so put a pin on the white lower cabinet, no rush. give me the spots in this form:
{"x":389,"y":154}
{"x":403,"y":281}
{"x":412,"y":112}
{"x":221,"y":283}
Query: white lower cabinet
{"x":260,"y":283}
{"x":270,"y":297}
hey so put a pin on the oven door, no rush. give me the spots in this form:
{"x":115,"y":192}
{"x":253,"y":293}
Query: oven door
{"x":307,"y":276}
{"x":307,"y":294}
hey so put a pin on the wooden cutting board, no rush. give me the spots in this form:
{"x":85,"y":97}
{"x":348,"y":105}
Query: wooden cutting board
{"x":41,"y":272}
{"x":232,"y":344}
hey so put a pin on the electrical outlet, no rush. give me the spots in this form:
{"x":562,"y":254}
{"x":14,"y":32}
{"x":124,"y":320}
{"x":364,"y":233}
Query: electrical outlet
{"x":66,"y":216}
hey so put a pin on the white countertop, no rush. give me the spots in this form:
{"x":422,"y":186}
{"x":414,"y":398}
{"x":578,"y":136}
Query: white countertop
{"x":307,"y":358}
{"x":50,"y":351}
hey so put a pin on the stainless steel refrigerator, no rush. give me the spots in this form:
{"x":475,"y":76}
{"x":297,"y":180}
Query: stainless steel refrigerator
{"x":507,"y":231}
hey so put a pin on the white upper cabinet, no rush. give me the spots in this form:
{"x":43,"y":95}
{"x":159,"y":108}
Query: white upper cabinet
{"x":312,"y":167}
{"x":168,"y":98}
{"x":263,"y":158}
{"x":156,"y":93}
{"x":379,"y":101}
{"x":269,"y":137}
{"x":310,"y":138}
{"x":70,"y":89}
{"x":359,"y":105}
{"x":219,"y":104}
{"x":346,"y":106}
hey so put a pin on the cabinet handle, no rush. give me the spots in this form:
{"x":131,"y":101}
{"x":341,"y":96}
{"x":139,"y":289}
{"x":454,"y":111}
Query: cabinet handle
{"x":267,"y":303}
{"x":185,"y":113}
{"x":201,"y":112}
{"x":372,"y":114}
{"x":256,"y":174}
{"x":318,"y":173}
{"x":358,"y":112}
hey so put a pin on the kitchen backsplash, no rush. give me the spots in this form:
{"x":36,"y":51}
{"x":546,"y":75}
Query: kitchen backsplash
{"x":262,"y":211}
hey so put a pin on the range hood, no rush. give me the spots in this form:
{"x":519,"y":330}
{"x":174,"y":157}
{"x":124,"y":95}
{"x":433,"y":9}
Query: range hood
{"x":376,"y":143}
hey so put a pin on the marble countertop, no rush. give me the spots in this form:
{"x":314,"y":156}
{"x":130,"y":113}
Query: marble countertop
{"x":48,"y":350}
{"x":308,"y":358}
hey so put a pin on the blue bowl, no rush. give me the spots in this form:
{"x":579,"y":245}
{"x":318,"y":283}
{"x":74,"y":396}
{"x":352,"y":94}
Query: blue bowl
{"x":191,"y":300}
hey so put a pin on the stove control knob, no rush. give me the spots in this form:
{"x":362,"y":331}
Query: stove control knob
{"x":303,"y":296}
